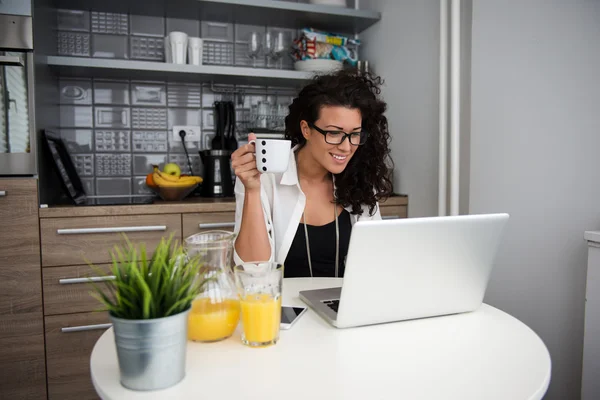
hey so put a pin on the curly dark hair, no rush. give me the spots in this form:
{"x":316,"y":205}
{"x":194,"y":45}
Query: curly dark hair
{"x":367,"y":177}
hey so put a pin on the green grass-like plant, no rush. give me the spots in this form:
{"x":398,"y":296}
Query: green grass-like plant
{"x":148,"y":288}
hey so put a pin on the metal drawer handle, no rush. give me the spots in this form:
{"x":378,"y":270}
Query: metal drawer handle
{"x":117,"y":229}
{"x":85,"y":328}
{"x":216,"y":225}
{"x":14,"y":61}
{"x":390,"y":217}
{"x":2,"y":193}
{"x":68,"y":281}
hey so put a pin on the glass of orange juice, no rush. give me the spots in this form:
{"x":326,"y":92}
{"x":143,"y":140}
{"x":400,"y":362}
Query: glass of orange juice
{"x":259,"y":287}
{"x":215,"y":312}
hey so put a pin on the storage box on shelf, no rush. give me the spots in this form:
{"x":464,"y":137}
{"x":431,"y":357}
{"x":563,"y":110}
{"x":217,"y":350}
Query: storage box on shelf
{"x":21,"y":326}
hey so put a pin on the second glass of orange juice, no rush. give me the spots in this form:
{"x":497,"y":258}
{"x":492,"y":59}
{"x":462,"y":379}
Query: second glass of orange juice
{"x":215,"y":312}
{"x":259,"y":286}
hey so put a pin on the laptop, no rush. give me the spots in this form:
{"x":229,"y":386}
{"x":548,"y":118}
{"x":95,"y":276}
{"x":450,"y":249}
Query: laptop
{"x":412,"y":268}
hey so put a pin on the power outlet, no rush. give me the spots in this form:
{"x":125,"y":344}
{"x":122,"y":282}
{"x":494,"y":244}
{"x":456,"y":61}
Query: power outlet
{"x":192,"y":133}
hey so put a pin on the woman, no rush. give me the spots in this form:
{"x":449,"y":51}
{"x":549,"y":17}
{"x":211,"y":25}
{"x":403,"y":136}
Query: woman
{"x":339,"y":170}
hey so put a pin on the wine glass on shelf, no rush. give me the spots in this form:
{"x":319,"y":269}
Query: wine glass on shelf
{"x":279,"y":48}
{"x":268,"y":45}
{"x":254,"y":46}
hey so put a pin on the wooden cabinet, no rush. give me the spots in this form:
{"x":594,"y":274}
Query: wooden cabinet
{"x":21,"y":326}
{"x":72,"y":241}
{"x":391,"y":212}
{"x":199,"y":222}
{"x":66,"y":289}
{"x":70,"y":339}
{"x":394,"y":207}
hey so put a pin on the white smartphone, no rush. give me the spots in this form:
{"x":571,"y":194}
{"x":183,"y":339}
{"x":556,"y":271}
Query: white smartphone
{"x":289,"y":315}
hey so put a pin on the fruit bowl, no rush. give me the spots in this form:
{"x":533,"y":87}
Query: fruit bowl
{"x":173,"y":193}
{"x":170,"y":184}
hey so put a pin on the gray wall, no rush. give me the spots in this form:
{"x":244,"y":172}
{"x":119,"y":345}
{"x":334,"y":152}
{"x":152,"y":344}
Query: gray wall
{"x":403,"y":49}
{"x":535,"y":143}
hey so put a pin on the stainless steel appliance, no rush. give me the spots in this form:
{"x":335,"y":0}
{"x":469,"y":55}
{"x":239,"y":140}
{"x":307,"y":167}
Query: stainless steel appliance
{"x":17,"y":131}
{"x":217,"y":173}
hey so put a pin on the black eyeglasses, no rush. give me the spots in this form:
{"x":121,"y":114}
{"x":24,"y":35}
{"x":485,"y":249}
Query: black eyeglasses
{"x":338,"y":137}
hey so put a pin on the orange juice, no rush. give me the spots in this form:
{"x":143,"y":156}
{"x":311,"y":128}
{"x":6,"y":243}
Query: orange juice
{"x":261,"y":315}
{"x":209,"y":322}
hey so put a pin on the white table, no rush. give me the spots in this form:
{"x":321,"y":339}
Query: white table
{"x":486,"y":354}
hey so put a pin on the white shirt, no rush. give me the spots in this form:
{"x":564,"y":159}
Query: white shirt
{"x":283,"y":202}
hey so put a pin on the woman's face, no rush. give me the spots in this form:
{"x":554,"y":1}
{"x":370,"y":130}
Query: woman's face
{"x":333,"y":157}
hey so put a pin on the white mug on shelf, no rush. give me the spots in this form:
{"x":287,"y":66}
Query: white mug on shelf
{"x":177,"y":45}
{"x":194,"y":51}
{"x":272,"y":155}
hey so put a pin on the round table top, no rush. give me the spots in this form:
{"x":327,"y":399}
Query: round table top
{"x":485,"y":354}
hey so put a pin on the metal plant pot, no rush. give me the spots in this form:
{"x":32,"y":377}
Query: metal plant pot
{"x":151,"y":352}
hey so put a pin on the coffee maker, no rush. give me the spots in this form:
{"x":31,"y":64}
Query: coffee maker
{"x":217,"y":173}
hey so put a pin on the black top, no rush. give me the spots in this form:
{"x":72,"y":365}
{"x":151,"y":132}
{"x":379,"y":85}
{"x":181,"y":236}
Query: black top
{"x":322,"y":249}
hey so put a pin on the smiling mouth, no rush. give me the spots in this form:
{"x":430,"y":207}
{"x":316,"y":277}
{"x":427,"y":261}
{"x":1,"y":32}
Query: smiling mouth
{"x":338,"y":157}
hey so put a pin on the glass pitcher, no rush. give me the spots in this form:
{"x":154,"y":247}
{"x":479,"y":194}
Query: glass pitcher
{"x":216,"y":311}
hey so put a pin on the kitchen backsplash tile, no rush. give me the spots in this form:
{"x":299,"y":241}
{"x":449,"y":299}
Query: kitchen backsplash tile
{"x":111,"y":92}
{"x":112,"y":187}
{"x":149,"y":118}
{"x":142,"y":163}
{"x":75,"y":91}
{"x":84,"y":164}
{"x":113,"y":164}
{"x":76,"y":116}
{"x":73,"y":20}
{"x":73,"y":44}
{"x":145,"y":25}
{"x":110,"y":46}
{"x":185,"y":96}
{"x":149,"y":142}
{"x":114,"y":23}
{"x":126,"y":126}
{"x":183,"y":116}
{"x":112,"y":141}
{"x":148,"y":94}
{"x":147,"y":48}
{"x":78,"y":140}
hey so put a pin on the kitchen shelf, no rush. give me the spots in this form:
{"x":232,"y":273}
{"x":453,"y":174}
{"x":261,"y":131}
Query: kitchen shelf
{"x":131,"y":69}
{"x":278,"y":13}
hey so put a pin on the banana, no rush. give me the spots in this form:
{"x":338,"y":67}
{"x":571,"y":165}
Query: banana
{"x":167,"y":177}
{"x":166,"y":180}
{"x":180,"y":182}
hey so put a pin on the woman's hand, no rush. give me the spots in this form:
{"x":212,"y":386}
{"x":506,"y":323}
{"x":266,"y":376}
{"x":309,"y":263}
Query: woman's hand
{"x":243,"y":162}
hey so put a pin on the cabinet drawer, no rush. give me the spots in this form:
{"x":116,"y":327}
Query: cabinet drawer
{"x":68,"y":354}
{"x":72,"y":241}
{"x":391,"y":212}
{"x":199,"y":222}
{"x":66,"y":289}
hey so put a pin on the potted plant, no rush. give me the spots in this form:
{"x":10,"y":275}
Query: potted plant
{"x":148,"y":302}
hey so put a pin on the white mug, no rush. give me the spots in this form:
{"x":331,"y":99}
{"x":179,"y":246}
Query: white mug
{"x":194,"y":51}
{"x":178,"y":45}
{"x":272,"y":155}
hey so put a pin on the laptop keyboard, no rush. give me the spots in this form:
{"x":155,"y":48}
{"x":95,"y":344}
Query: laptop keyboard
{"x":333,"y":304}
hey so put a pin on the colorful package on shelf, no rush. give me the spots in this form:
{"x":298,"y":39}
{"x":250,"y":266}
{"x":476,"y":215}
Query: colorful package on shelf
{"x":320,"y":45}
{"x":331,"y":38}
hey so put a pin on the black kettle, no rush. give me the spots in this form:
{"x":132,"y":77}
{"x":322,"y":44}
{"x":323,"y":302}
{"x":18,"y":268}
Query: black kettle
{"x":217,"y":181}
